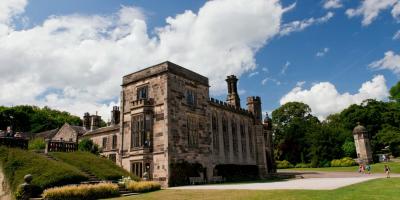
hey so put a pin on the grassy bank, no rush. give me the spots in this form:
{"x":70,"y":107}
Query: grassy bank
{"x":375,"y":168}
{"x":16,"y":163}
{"x":100,"y":167}
{"x":382,"y":189}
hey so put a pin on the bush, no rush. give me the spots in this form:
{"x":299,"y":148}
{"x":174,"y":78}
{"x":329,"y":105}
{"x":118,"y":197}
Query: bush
{"x":102,"y":168}
{"x":284,"y":164}
{"x":46,"y":173}
{"x":88,"y":145}
{"x":344,"y":162}
{"x":78,"y":192}
{"x":303,"y":165}
{"x":142,"y":186}
{"x":37,"y":144}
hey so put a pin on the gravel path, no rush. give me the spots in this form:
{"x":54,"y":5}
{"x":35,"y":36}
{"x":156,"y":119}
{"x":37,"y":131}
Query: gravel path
{"x":310,"y":181}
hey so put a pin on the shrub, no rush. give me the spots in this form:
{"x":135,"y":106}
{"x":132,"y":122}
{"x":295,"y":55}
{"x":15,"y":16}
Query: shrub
{"x":37,"y":144}
{"x":284,"y":164}
{"x":46,"y":173}
{"x":102,"y":168}
{"x":88,"y":145}
{"x":303,"y":165}
{"x":344,"y":162}
{"x":78,"y":192}
{"x":142,"y":186}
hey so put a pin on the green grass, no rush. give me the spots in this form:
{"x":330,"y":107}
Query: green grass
{"x":100,"y":167}
{"x":378,"y":189}
{"x":17,"y":163}
{"x":375,"y":168}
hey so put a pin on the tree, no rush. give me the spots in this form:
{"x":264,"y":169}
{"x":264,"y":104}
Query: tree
{"x":395,"y":92}
{"x":349,"y":149}
{"x":390,"y":136}
{"x":292,"y":121}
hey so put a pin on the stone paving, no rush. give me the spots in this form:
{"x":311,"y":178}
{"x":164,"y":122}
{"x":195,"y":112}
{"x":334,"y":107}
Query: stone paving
{"x":304,"y":181}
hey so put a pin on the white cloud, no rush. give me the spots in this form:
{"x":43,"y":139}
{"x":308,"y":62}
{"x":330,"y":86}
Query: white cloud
{"x":253,"y":74}
{"x":331,"y":4}
{"x":370,"y":9}
{"x":322,"y":52}
{"x":76,"y":62}
{"x":265,"y":80}
{"x":296,"y":26}
{"x":285,"y":67}
{"x":324,"y":99}
{"x":391,"y":61}
{"x":396,"y":11}
{"x":396,"y":36}
{"x":265,"y":69}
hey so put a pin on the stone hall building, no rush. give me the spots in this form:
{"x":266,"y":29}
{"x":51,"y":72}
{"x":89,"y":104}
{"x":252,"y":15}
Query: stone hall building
{"x":167,"y":118}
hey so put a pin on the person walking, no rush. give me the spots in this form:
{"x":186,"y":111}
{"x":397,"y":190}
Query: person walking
{"x":387,"y":171}
{"x":368,"y":167}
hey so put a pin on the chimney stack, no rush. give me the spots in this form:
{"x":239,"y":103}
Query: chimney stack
{"x":233,"y":96}
{"x":86,"y":121}
{"x":95,"y":122}
{"x":115,"y":113}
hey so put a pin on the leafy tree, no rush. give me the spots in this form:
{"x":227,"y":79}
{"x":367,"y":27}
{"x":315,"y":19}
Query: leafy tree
{"x":349,"y":149}
{"x":292,"y":122}
{"x":390,"y":136}
{"x":395,"y":92}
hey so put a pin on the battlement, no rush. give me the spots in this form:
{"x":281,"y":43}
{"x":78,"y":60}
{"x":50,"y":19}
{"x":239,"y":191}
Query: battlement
{"x":226,"y":106}
{"x":254,"y":99}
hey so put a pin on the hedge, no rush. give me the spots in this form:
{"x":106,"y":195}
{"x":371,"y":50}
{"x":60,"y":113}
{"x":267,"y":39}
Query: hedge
{"x":284,"y":164}
{"x":344,"y":162}
{"x":142,"y":186}
{"x":79,"y":192}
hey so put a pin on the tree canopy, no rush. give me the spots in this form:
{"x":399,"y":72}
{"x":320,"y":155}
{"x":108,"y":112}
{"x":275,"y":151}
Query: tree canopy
{"x":33,"y":119}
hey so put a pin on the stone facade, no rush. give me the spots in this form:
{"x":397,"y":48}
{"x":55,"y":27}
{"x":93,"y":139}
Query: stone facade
{"x":168,"y":117}
{"x":363,"y":145}
{"x":69,"y":133}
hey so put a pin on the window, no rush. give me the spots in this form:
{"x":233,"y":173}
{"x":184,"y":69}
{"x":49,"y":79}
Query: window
{"x":112,"y":157}
{"x":142,"y":93}
{"x":215,"y":133}
{"x":193,"y":137}
{"x":141,"y":130}
{"x":225,"y":136}
{"x":251,"y":142}
{"x":190,"y":97}
{"x":234,"y":139}
{"x":104,"y":143}
{"x":137,"y":169}
{"x":114,"y":142}
{"x":243,"y":136}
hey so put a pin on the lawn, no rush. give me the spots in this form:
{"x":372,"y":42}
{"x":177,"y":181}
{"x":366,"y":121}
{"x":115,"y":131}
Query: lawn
{"x":17,"y":163}
{"x":379,"y":189}
{"x":101,"y":167}
{"x":375,"y":168}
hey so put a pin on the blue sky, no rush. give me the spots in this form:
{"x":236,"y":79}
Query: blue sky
{"x":336,"y":52}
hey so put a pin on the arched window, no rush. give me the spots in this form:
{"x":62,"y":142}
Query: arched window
{"x":243,"y":140}
{"x":234,"y":138}
{"x":225,"y":135}
{"x":215,"y":133}
{"x":193,"y":136}
{"x":251,"y":141}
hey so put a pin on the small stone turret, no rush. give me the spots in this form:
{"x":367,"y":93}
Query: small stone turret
{"x":254,"y":106}
{"x":363,"y":145}
{"x":115,"y":115}
{"x":233,"y":96}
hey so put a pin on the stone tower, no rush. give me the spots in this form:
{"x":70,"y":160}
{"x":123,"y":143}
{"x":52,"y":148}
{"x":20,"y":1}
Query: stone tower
{"x":254,"y":106}
{"x":269,"y":145}
{"x":363,"y":146}
{"x":233,"y":96}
